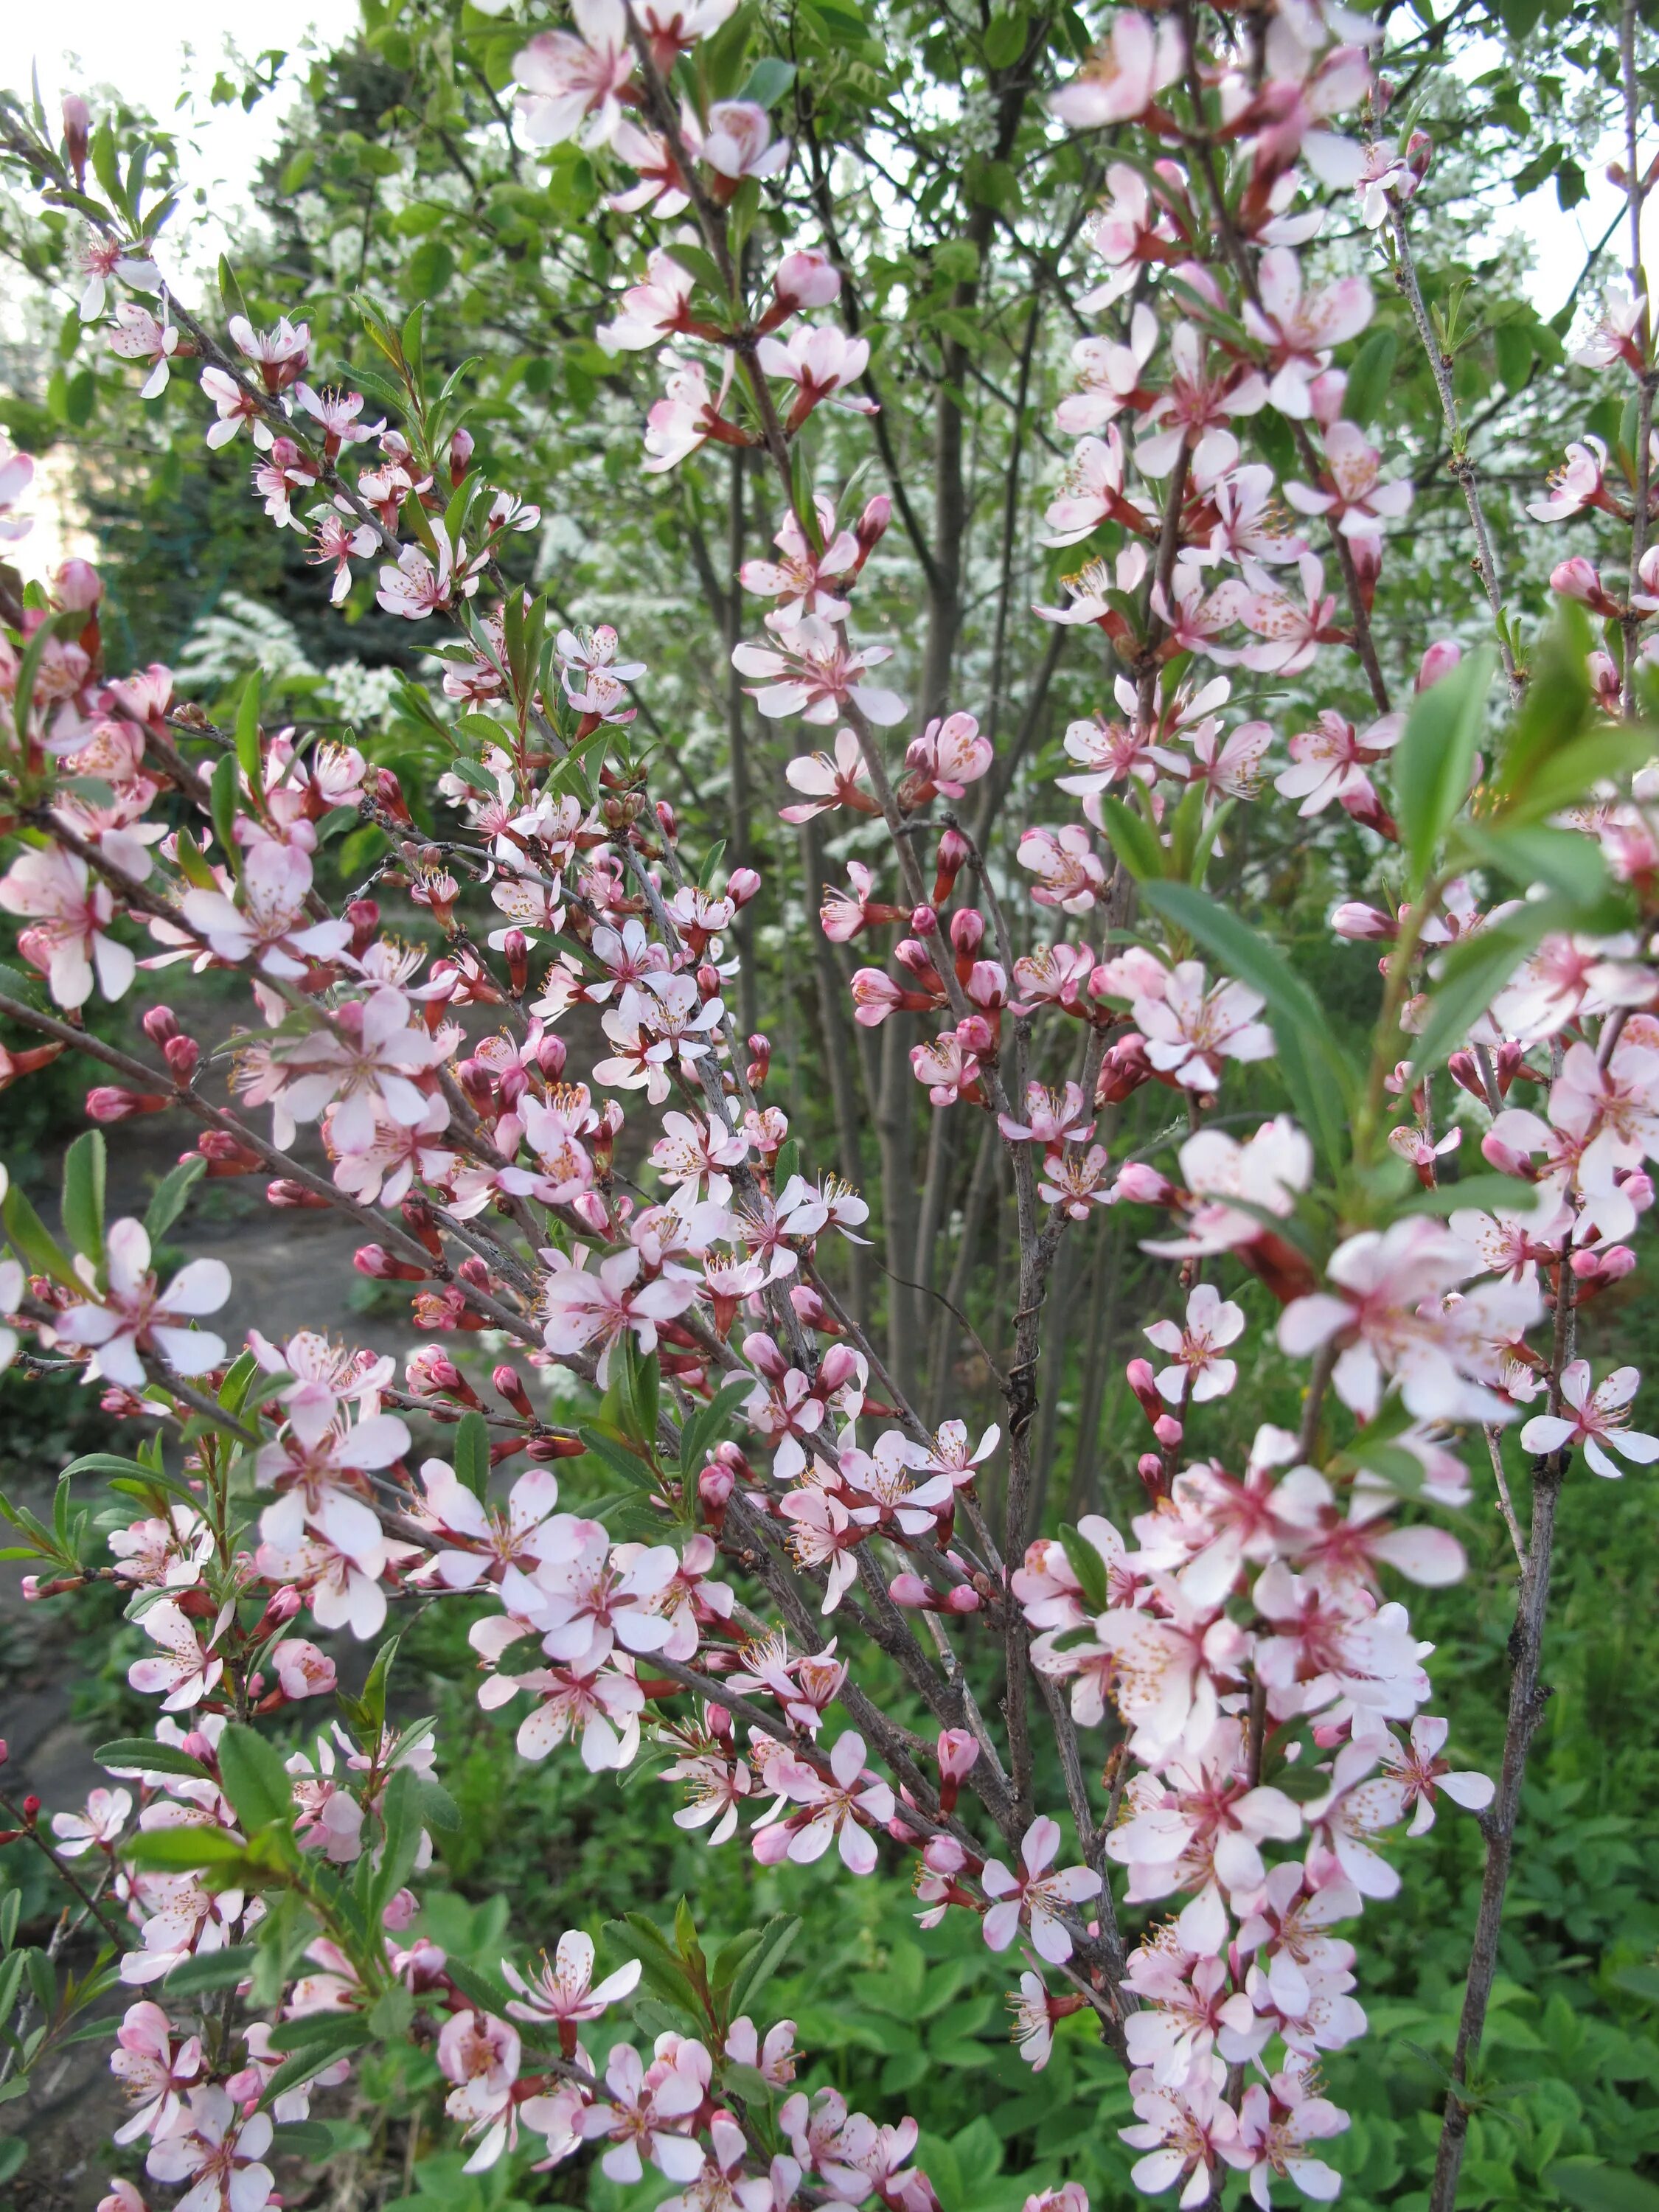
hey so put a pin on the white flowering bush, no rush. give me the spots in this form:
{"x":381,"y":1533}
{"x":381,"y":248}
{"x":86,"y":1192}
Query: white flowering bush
{"x":737,"y":1541}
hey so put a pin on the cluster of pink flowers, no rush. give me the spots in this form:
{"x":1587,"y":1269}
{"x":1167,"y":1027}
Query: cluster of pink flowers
{"x":1248,"y":1646}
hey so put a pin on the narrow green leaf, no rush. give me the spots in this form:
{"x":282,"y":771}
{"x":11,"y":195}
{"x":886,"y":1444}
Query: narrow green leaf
{"x":247,"y":730}
{"x":777,"y":1939}
{"x":1135,"y":842}
{"x":34,"y":1242}
{"x":171,"y":1196}
{"x":1317,"y":1076}
{"x":1368,"y":379}
{"x":127,"y":1753}
{"x":212,"y":1970}
{"x":1087,"y":1564}
{"x":223,"y":794}
{"x":85,"y":1167}
{"x":473,"y":1454}
{"x":1432,"y":762}
{"x":1475,"y":971}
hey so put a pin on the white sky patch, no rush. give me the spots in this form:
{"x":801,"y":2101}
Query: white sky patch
{"x":154,"y":55}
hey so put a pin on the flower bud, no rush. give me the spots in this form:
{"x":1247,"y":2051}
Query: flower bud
{"x":181,"y":1054}
{"x":303,"y":1669}
{"x":1579,"y":579}
{"x":810,"y":1311}
{"x":551,"y":1056}
{"x":1150,"y":1468}
{"x":78,"y":137}
{"x":742,"y":885}
{"x":161,"y":1024}
{"x":1142,"y":1378}
{"x":709,"y":980}
{"x":1638,"y":1187}
{"x":1123,"y":1069}
{"x":967,"y":932}
{"x":948,"y":864}
{"x":924,"y":921}
{"x":872,"y":525}
{"x":976,"y":1036}
{"x":714,"y":1486}
{"x":1506,"y":1158}
{"x":805,"y":278}
{"x":964,"y":1598}
{"x":760,"y":1061}
{"x":1168,"y":1430}
{"x":78,"y":585}
{"x":1144,"y":1184}
{"x":294,"y":1196}
{"x":910,"y":1591}
{"x":590,"y":1210}
{"x":364,"y":915}
{"x":839,"y":1366}
{"x":1442,"y":657}
{"x":958,"y":1751}
{"x":108,"y":1102}
{"x":378,"y":1264}
{"x":460,"y":457}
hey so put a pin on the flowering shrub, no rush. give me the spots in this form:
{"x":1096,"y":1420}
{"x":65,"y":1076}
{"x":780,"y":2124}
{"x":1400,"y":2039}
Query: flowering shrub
{"x":748,"y":1550}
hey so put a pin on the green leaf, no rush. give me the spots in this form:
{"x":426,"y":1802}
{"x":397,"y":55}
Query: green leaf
{"x":230,"y":292}
{"x":258,"y":1784}
{"x":85,"y":1167}
{"x":768,"y":81}
{"x":186,"y":1849}
{"x":702,"y":1428}
{"x":1639,"y":1981}
{"x":1087,"y":1564}
{"x":223,"y":794}
{"x":171,"y":1196}
{"x":1557,"y":701}
{"x":633,"y":1470}
{"x":1432,"y":762}
{"x":400,"y":1811}
{"x":1595,"y":2188}
{"x":247,"y":730}
{"x":1004,"y":39}
{"x":1316,"y":1075}
{"x":776,"y":1939}
{"x":343,"y":2033}
{"x":34,"y":1242}
{"x":1133,"y":841}
{"x":127,"y":1751}
{"x":1605,"y":756}
{"x":212,"y":1970}
{"x":473,"y":1454}
{"x":729,"y":1958}
{"x":309,"y":2139}
{"x":1528,"y":854}
{"x":1368,"y":378}
{"x":429,"y":268}
{"x":662,"y":1969}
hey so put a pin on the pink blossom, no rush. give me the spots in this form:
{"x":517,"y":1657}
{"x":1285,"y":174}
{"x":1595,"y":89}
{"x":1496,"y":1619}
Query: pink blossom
{"x":134,"y":1316}
{"x":220,"y":2153}
{"x":814,"y":673}
{"x":1031,"y":1896}
{"x":1600,"y":1418}
{"x":570,"y":83}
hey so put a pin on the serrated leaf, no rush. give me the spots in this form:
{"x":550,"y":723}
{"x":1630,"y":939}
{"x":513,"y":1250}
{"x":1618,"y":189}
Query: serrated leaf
{"x":1368,"y":379}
